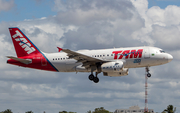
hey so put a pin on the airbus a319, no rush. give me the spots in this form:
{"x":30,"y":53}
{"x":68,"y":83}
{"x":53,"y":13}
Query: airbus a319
{"x":111,"y":62}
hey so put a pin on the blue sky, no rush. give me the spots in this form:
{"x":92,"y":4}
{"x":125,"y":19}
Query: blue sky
{"x":91,"y":24}
{"x":163,"y":3}
{"x":32,"y":9}
{"x":28,"y":9}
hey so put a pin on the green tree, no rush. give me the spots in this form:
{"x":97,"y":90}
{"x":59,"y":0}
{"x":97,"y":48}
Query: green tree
{"x":63,"y":112}
{"x":29,"y":112}
{"x":66,"y":112}
{"x":170,"y":109}
{"x":101,"y":110}
{"x":7,"y":111}
{"x":89,"y":111}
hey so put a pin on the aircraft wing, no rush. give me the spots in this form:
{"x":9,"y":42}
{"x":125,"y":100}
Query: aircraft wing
{"x":86,"y":60}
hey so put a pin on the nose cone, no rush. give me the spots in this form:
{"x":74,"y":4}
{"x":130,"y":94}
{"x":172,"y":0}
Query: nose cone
{"x":170,"y":58}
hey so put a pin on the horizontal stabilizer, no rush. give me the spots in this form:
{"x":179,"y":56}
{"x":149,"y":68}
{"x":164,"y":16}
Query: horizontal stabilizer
{"x":25,"y":61}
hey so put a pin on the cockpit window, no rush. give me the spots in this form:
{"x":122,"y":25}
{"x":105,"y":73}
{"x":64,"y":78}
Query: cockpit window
{"x":161,"y":51}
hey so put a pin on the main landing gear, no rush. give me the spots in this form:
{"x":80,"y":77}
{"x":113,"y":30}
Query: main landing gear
{"x":147,"y":72}
{"x":93,"y":78}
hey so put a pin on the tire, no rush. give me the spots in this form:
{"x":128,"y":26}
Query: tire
{"x":149,"y":75}
{"x":96,"y":79}
{"x":91,"y":77}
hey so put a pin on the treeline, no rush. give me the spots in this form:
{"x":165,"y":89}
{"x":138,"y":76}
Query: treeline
{"x":169,"y":109}
{"x":96,"y":110}
{"x":9,"y":111}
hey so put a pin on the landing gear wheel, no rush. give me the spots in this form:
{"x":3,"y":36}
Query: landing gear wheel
{"x":96,"y":79}
{"x":149,"y":75}
{"x":91,"y":77}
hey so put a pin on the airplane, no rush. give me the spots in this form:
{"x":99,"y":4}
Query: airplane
{"x":112,"y":62}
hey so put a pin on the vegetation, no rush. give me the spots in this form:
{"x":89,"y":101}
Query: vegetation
{"x":99,"y":110}
{"x":66,"y":112}
{"x":29,"y":112}
{"x":170,"y":109}
{"x":7,"y":111}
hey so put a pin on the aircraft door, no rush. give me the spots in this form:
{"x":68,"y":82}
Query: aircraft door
{"x":146,"y":52}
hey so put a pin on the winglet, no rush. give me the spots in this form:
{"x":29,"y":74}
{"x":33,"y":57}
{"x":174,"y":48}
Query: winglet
{"x":59,"y":49}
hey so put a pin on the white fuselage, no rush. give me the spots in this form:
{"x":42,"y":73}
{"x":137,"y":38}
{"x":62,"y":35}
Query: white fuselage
{"x":149,"y":56}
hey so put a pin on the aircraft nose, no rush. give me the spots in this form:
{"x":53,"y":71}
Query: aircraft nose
{"x":170,"y":58}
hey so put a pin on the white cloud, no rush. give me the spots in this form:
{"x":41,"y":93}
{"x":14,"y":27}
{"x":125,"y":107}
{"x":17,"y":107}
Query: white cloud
{"x":161,"y":25}
{"x":101,"y":24}
{"x":41,"y":91}
{"x":84,"y":12}
{"x":6,"y":5}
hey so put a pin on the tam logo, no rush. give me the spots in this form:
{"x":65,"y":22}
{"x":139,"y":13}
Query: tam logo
{"x":128,"y":54}
{"x":23,"y":42}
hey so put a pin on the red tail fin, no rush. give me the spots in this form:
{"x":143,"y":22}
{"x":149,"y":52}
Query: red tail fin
{"x":22,"y":45}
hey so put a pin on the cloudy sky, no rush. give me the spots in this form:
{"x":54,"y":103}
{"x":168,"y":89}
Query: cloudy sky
{"x":89,"y":24}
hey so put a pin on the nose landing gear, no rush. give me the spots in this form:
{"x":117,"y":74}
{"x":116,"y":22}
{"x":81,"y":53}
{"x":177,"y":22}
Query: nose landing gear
{"x":147,"y":72}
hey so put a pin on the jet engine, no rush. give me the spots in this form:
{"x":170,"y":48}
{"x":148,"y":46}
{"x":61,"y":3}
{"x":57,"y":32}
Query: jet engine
{"x":112,"y":67}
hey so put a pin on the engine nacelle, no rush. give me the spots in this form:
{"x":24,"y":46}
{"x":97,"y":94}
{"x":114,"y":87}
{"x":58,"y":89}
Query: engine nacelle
{"x":124,"y":72}
{"x":112,"y":67}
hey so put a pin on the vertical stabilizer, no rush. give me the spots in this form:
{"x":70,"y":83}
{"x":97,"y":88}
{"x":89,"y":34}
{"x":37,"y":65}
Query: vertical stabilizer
{"x":22,"y":45}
